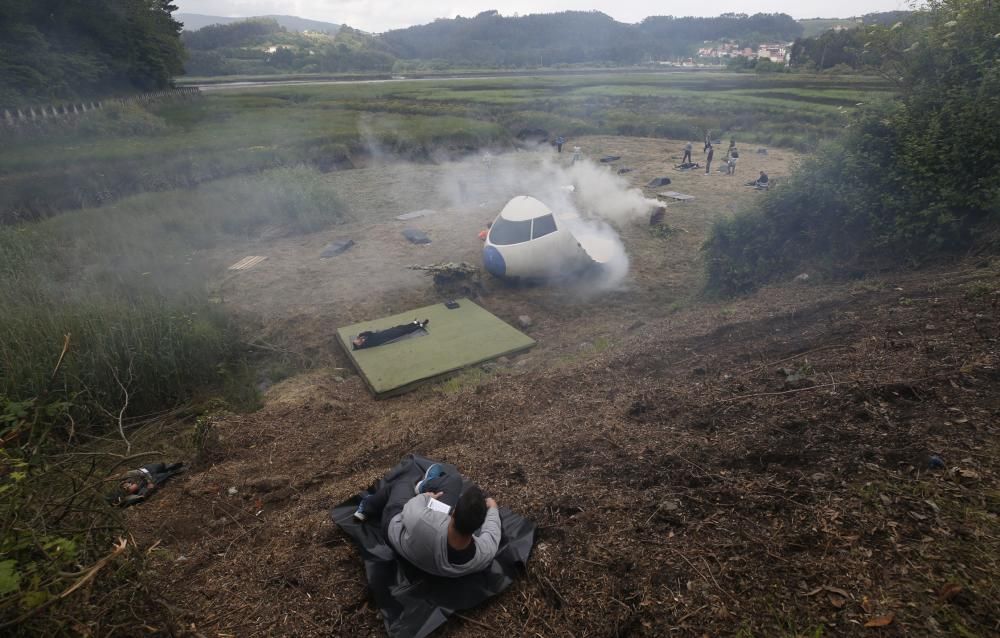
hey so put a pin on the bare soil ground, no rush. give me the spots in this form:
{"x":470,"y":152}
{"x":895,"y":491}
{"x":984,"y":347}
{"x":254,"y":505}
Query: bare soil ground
{"x":757,"y":467}
{"x":295,"y":299}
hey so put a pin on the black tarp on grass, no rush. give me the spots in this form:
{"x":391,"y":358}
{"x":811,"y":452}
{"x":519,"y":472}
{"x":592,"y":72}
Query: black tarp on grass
{"x":413,"y":603}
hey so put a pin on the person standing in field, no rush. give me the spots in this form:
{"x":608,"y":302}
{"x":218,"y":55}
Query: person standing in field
{"x":687,"y":153}
{"x":708,"y":140}
{"x":559,"y":143}
{"x":708,"y":159}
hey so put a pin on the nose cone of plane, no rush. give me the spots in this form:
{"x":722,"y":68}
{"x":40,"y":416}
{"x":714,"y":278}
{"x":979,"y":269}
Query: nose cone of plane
{"x":494,"y":262}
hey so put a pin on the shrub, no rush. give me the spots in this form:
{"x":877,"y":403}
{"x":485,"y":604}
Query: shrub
{"x":912,"y":179}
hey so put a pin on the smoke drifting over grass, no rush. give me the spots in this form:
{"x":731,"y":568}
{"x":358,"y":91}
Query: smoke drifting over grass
{"x":588,"y":200}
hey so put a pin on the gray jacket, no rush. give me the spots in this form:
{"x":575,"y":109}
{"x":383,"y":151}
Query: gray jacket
{"x":420,"y":535}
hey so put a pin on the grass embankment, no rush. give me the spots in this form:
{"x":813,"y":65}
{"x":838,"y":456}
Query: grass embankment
{"x":232,"y":132}
{"x":128,"y":283}
{"x":125,"y":287}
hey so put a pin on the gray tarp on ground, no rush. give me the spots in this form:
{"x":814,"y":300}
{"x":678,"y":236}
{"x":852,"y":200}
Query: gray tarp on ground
{"x":334,"y":248}
{"x":413,"y":604}
{"x":416,"y":236}
{"x":659,"y":181}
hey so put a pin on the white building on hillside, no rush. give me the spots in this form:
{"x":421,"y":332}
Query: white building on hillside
{"x":777,"y":53}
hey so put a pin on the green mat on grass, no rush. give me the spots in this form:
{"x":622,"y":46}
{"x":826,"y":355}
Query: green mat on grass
{"x":455,"y":339}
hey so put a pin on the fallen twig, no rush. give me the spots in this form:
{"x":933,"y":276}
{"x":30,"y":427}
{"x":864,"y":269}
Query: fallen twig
{"x":474,"y":621}
{"x":772,"y":394}
{"x":796,"y":356}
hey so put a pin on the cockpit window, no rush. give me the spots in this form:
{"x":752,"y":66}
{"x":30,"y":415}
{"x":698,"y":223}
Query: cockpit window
{"x":543,"y":226}
{"x":505,"y":232}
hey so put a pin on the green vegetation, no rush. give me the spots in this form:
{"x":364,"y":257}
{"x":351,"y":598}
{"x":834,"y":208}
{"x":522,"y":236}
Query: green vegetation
{"x":234,"y":132}
{"x":65,"y":50}
{"x":486,"y":41}
{"x":127,"y":283}
{"x":912,"y":179}
{"x":105,"y":321}
{"x":848,"y":49}
{"x":490,"y":40}
{"x":262,"y":47}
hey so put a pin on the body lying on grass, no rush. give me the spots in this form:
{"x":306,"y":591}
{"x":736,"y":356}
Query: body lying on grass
{"x":141,"y":483}
{"x":442,"y":530}
{"x":372,"y":338}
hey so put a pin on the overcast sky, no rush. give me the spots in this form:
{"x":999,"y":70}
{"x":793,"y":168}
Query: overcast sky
{"x":382,"y":15}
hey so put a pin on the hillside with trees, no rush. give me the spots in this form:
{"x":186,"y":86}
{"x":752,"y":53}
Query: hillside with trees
{"x":576,"y":37}
{"x":844,"y":48}
{"x":61,"y":50}
{"x":487,"y":40}
{"x":913,"y":179}
{"x":196,"y":21}
{"x":261,"y":46}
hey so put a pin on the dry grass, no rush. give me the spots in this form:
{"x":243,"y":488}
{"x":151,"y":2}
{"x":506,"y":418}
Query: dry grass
{"x":681,"y":485}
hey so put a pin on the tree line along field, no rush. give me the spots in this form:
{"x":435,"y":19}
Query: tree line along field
{"x":237,"y":131}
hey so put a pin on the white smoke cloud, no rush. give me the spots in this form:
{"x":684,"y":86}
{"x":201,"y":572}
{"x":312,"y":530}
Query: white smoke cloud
{"x":588,"y":199}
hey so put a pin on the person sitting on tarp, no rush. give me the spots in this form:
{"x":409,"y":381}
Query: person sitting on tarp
{"x":372,"y":338}
{"x":141,"y":483}
{"x":760,"y":182}
{"x":433,"y":536}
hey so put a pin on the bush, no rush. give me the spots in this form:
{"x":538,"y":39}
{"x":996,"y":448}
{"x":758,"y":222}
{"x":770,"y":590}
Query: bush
{"x":911,"y":180}
{"x":116,"y":119}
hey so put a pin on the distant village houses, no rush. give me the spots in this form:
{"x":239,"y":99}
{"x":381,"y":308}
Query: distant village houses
{"x":775,"y":52}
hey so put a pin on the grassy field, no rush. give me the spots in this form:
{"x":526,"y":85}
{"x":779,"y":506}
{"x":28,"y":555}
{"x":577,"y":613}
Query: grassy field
{"x":327,"y":125}
{"x":127,"y":283}
{"x":157,"y":186}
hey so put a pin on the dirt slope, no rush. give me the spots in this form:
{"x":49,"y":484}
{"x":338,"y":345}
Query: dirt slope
{"x":681,"y":483}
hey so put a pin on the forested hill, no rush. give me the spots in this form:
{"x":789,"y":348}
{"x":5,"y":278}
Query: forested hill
{"x":490,"y":39}
{"x":195,"y":21}
{"x":65,"y":50}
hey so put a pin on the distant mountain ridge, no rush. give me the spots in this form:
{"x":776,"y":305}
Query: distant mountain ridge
{"x":195,"y":21}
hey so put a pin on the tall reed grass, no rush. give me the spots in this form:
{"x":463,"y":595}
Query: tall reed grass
{"x":128,"y":283}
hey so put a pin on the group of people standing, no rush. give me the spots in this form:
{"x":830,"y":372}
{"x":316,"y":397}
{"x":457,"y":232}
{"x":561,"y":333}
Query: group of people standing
{"x":732,"y":155}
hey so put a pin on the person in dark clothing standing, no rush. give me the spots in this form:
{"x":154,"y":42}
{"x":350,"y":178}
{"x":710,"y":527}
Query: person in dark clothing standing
{"x":141,"y":483}
{"x":372,"y":338}
{"x":559,"y":143}
{"x":708,"y":159}
{"x":708,"y":140}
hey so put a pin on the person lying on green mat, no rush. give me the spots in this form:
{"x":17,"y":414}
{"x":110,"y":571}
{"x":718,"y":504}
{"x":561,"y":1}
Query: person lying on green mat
{"x":372,"y":338}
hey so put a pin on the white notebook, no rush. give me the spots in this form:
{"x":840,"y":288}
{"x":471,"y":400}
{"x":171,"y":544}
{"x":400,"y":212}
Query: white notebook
{"x":438,"y":506}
